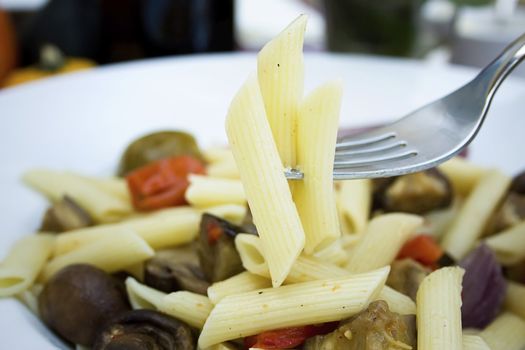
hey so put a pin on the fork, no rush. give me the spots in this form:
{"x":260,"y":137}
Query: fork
{"x":428,"y":136}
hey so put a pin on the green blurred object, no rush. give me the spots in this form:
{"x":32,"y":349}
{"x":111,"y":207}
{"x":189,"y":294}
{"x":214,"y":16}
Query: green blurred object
{"x":387,"y":27}
{"x":473,"y":2}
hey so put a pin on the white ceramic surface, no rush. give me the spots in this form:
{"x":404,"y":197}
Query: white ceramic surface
{"x":83,"y":121}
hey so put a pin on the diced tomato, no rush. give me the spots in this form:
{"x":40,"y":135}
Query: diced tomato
{"x":287,"y":338}
{"x":162,"y":183}
{"x":423,"y":249}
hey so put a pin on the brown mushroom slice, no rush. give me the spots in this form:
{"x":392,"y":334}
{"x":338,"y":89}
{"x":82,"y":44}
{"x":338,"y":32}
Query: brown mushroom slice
{"x":218,"y":256}
{"x":518,"y":184}
{"x":374,"y":328}
{"x":416,"y":193}
{"x":176,"y":269}
{"x":78,"y":299}
{"x":65,"y":215}
{"x":406,"y":275}
{"x":145,"y":329}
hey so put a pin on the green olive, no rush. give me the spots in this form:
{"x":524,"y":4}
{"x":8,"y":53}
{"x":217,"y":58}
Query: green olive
{"x":155,"y":146}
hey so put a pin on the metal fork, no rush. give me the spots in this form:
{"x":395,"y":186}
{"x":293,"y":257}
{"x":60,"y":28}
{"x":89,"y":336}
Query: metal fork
{"x":428,"y":136}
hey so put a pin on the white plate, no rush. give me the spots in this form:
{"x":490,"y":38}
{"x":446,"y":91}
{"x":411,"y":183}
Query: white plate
{"x":83,"y":121}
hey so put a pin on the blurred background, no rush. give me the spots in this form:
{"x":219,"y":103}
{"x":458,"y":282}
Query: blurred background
{"x":40,"y":38}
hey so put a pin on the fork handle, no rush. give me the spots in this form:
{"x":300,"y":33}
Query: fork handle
{"x":493,"y":75}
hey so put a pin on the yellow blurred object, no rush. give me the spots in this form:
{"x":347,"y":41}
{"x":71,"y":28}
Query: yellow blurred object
{"x":8,"y":49}
{"x":52,"y":62}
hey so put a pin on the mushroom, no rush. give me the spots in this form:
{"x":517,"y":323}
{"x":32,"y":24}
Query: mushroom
{"x":174,"y":269}
{"x":406,"y":275}
{"x":218,"y":256}
{"x":65,"y":215}
{"x":144,"y":329}
{"x":416,"y":193}
{"x":78,"y":299}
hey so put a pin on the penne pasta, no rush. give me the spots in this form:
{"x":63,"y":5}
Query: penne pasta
{"x":515,"y":298}
{"x":307,"y":269}
{"x":264,"y":182}
{"x":437,"y":222}
{"x":385,"y":235}
{"x":241,"y":315}
{"x":29,"y":297}
{"x":334,"y":253}
{"x":509,"y":245}
{"x":217,"y":154}
{"x":114,"y":186}
{"x":507,"y":332}
{"x":143,"y":297}
{"x":354,"y":204}
{"x":101,"y":205}
{"x":224,"y":169}
{"x":280,"y":73}
{"x":24,"y":262}
{"x":188,"y":307}
{"x":111,"y":253}
{"x":438,"y":304}
{"x":206,"y":191}
{"x":474,"y":214}
{"x":314,"y":196}
{"x":243,"y":282}
{"x":463,"y":174}
{"x":234,"y":213}
{"x":474,"y":342}
{"x":165,"y":228}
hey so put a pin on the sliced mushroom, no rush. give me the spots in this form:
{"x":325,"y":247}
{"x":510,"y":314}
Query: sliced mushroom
{"x":145,"y":329}
{"x":374,"y":328}
{"x":65,"y":215}
{"x":416,"y":193}
{"x":218,"y":256}
{"x":406,"y":275}
{"x":78,"y":299}
{"x":176,"y":269}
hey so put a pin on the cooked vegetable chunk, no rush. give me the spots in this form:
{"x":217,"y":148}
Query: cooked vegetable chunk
{"x":145,"y":329}
{"x":78,"y":300}
{"x":65,"y":215}
{"x":406,"y":275}
{"x":375,"y":328}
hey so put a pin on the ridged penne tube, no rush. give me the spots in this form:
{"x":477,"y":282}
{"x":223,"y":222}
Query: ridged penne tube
{"x":24,"y":262}
{"x":206,"y":191}
{"x":509,"y":245}
{"x":438,"y":304}
{"x":280,"y":72}
{"x":224,"y":169}
{"x":243,"y":282}
{"x":143,"y":297}
{"x":30,"y":297}
{"x":437,"y":222}
{"x":233,"y":213}
{"x":101,"y":205}
{"x":354,"y":203}
{"x":241,"y":315}
{"x":164,"y":228}
{"x":515,"y":298}
{"x":463,"y":175}
{"x":307,"y":268}
{"x":474,"y":214}
{"x":111,"y":253}
{"x":265,"y":185}
{"x":507,"y":332}
{"x":314,"y":196}
{"x":189,"y":307}
{"x":217,"y":154}
{"x":381,"y":242}
{"x":474,"y":342}
{"x":112,"y":185}
{"x":397,"y":302}
{"x":334,"y":253}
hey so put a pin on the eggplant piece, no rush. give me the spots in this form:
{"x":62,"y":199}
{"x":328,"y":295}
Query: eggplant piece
{"x":78,"y":300}
{"x":406,"y":275}
{"x":518,"y":184}
{"x":416,"y":193}
{"x":145,"y":329}
{"x":218,"y":256}
{"x":65,"y":215}
{"x":176,"y":269}
{"x":511,"y":210}
{"x":374,"y":328}
{"x":156,"y":146}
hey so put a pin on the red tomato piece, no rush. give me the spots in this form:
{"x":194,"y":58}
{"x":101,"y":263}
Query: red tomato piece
{"x":162,"y":183}
{"x":287,"y":338}
{"x":423,"y":249}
